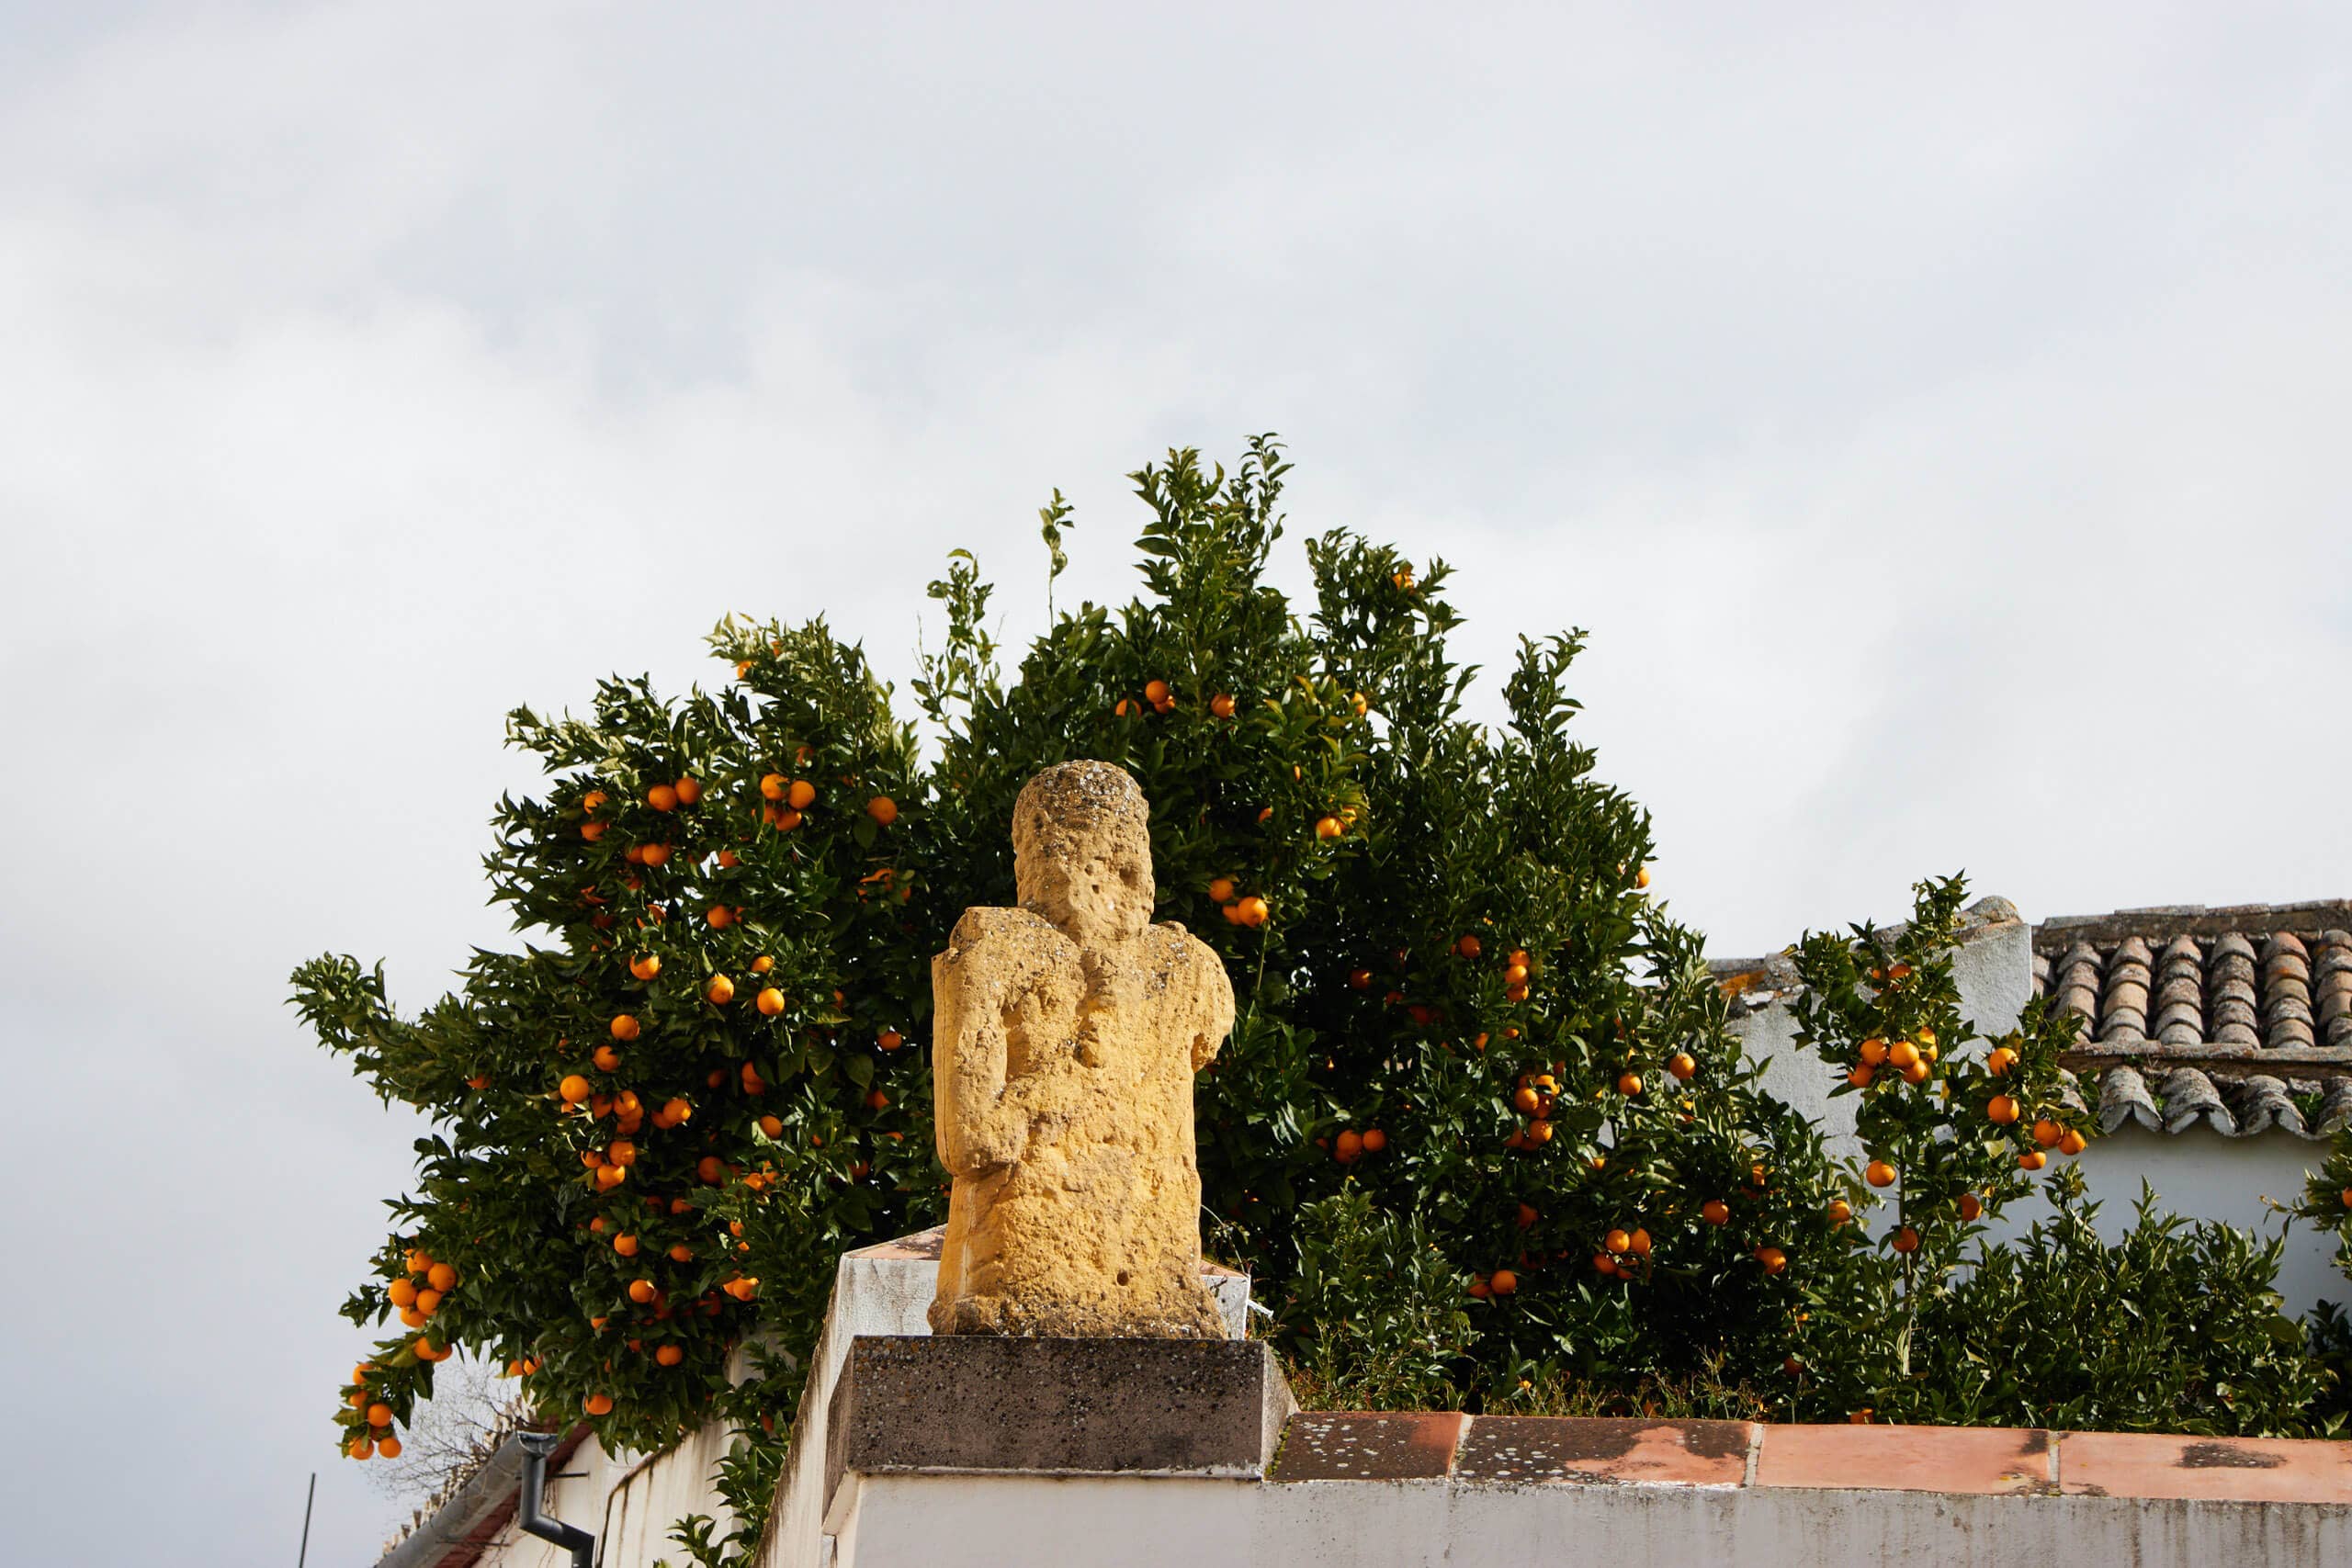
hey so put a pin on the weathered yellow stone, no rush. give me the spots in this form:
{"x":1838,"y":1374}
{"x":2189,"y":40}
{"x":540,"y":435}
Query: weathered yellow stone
{"x":1065,"y":1036}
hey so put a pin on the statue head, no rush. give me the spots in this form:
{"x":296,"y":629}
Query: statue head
{"x":1081,"y":852}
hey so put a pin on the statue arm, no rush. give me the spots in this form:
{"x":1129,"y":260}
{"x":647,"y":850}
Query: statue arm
{"x":978,"y":1126}
{"x":1216,"y":1004}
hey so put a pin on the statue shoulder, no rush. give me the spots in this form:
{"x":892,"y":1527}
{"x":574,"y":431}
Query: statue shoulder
{"x":1188,"y":952}
{"x":1000,"y":935}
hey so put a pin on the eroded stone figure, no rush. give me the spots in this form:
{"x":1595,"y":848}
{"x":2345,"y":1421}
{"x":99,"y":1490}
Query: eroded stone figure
{"x":1065,"y":1037}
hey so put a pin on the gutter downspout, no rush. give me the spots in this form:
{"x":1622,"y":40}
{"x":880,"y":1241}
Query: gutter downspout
{"x":536,"y":1447}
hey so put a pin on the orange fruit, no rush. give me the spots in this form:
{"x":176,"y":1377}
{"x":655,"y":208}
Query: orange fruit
{"x":1222,"y":704}
{"x":1917,"y":1072}
{"x":883,"y":809}
{"x":598,"y":1405}
{"x":763,"y":963}
{"x":625,"y":1027}
{"x":801,"y":796}
{"x":1375,"y":1140}
{"x":1538,"y":1131}
{"x":681,"y":1253}
{"x":1155,"y":692}
{"x":1715,"y":1212}
{"x":1970,"y":1206}
{"x":1641,"y":877}
{"x":1907,"y":1240}
{"x":1879,"y":1174}
{"x":720,"y":991}
{"x":1903,"y":1052}
{"x":773,"y":786}
{"x":669,"y":1355}
{"x":889,"y":1040}
{"x":609,"y":1176}
{"x":1525,"y":1101}
{"x":591,"y":831}
{"x":1682,"y":1065}
{"x":655,"y":854}
{"x":1629,"y":1084}
{"x":389,"y":1446}
{"x":2000,"y":1060}
{"x":1772,"y":1257}
{"x":1361,"y":979}
{"x":441,"y":1277}
{"x":752,"y":1082}
{"x":1639,"y":1242}
{"x":380,"y":1415}
{"x":1840,"y":1210}
{"x":1874,"y":1051}
{"x":428,"y":1302}
{"x":1350,"y":1146}
{"x":645,"y":966}
{"x":719,"y":917}
{"x":1221,"y":890}
{"x":770,"y":1001}
{"x":626,"y":1246}
{"x":663,"y":797}
{"x":2047,"y":1133}
{"x":1603,"y":1263}
{"x":1527,"y":1216}
{"x":361,"y":1449}
{"x":1502,"y":1282}
{"x":1618,"y":1242}
{"x":1327,"y":828}
{"x":689,"y":790}
{"x":607,"y":1060}
{"x":2071,"y":1142}
{"x":709,"y":1169}
{"x":2001,"y":1109}
{"x":640,"y":1290}
{"x":621,"y":1152}
{"x":402,"y":1294}
{"x":1860,"y":1076}
{"x":573,"y":1089}
{"x":1253,"y":911}
{"x":1468,"y":945}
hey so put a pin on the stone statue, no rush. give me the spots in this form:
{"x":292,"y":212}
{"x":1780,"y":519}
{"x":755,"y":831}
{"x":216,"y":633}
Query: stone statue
{"x":1065,"y":1037}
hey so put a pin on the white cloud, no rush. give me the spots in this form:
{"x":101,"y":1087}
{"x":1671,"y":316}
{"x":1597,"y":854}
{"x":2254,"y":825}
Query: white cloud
{"x":1934,"y":420}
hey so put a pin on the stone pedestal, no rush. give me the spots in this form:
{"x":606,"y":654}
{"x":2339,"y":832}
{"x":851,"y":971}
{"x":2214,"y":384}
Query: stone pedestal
{"x":985,"y":1405}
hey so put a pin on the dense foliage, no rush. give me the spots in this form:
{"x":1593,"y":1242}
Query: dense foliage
{"x":1480,"y":1131}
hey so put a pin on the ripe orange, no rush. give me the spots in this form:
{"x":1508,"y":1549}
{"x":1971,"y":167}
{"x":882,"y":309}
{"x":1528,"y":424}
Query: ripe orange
{"x":889,"y":1040}
{"x":661,"y":798}
{"x":1682,"y":1065}
{"x":720,"y":991}
{"x":441,"y":1277}
{"x":625,"y":1027}
{"x":645,"y":966}
{"x":361,"y":1449}
{"x":770,"y":1001}
{"x":1527,"y":1216}
{"x":1604,"y":1264}
{"x":876,"y":1101}
{"x":719,"y":917}
{"x":1629,"y":1084}
{"x":1538,"y":1131}
{"x":773,"y":786}
{"x":689,"y":790}
{"x":1907,"y":1240}
{"x":607,"y":1060}
{"x":1874,"y":1051}
{"x":1772,"y":1257}
{"x":388,"y":1446}
{"x":573,"y":1089}
{"x":2071,"y":1142}
{"x":2000,"y":1060}
{"x":640,"y":1290}
{"x":1350,"y":1145}
{"x":1618,"y":1242}
{"x":1903,"y":1052}
{"x":621,"y":1152}
{"x":2032,"y":1159}
{"x":2001,"y":1109}
{"x":1840,"y":1210}
{"x":2047,"y":1133}
{"x":681,"y":1253}
{"x":752,"y":1082}
{"x":669,"y":1355}
{"x":1917,"y":1072}
{"x":626,"y":1246}
{"x":709,"y":1169}
{"x":598,"y":1405}
{"x":1502,"y":1282}
{"x":1221,"y":890}
{"x":1970,"y":1206}
{"x":1639,"y":1242}
{"x":883,"y":809}
{"x":1222,"y":704}
{"x":1253,"y":911}
{"x":655,"y":854}
{"x":1525,"y":1101}
{"x":1155,"y":692}
{"x":1715,"y":1212}
{"x":591,"y":831}
{"x":402,"y":1294}
{"x":1860,"y":1076}
{"x":1375,"y":1140}
{"x":1879,"y":1174}
{"x":609,"y":1176}
{"x":1327,"y":828}
{"x":380,"y":1415}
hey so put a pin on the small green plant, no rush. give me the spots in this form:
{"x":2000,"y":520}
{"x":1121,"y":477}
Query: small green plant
{"x":1375,"y":1309}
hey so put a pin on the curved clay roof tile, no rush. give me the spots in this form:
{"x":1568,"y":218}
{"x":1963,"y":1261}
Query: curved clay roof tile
{"x":2334,"y":1107}
{"x":2232,"y":946}
{"x":2261,"y":1101}
{"x":2189,"y":1094}
{"x":2124,"y":1097}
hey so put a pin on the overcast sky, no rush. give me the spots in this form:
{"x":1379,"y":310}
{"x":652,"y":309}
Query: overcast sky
{"x":1938,"y":419}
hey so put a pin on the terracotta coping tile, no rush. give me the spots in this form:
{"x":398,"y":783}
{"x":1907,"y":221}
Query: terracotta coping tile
{"x":1598,"y":1451}
{"x":1338,"y":1445}
{"x":2247,"y":1469}
{"x":1985,"y":1460}
{"x":922,"y":1244}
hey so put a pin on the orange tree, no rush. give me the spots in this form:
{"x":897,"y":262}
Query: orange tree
{"x":698,"y":1077}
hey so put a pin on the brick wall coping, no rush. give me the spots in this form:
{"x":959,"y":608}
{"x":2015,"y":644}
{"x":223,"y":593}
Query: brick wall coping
{"x":1344,"y":1446}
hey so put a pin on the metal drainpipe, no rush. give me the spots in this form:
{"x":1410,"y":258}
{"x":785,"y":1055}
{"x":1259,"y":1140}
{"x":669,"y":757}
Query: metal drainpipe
{"x":536,"y":1446}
